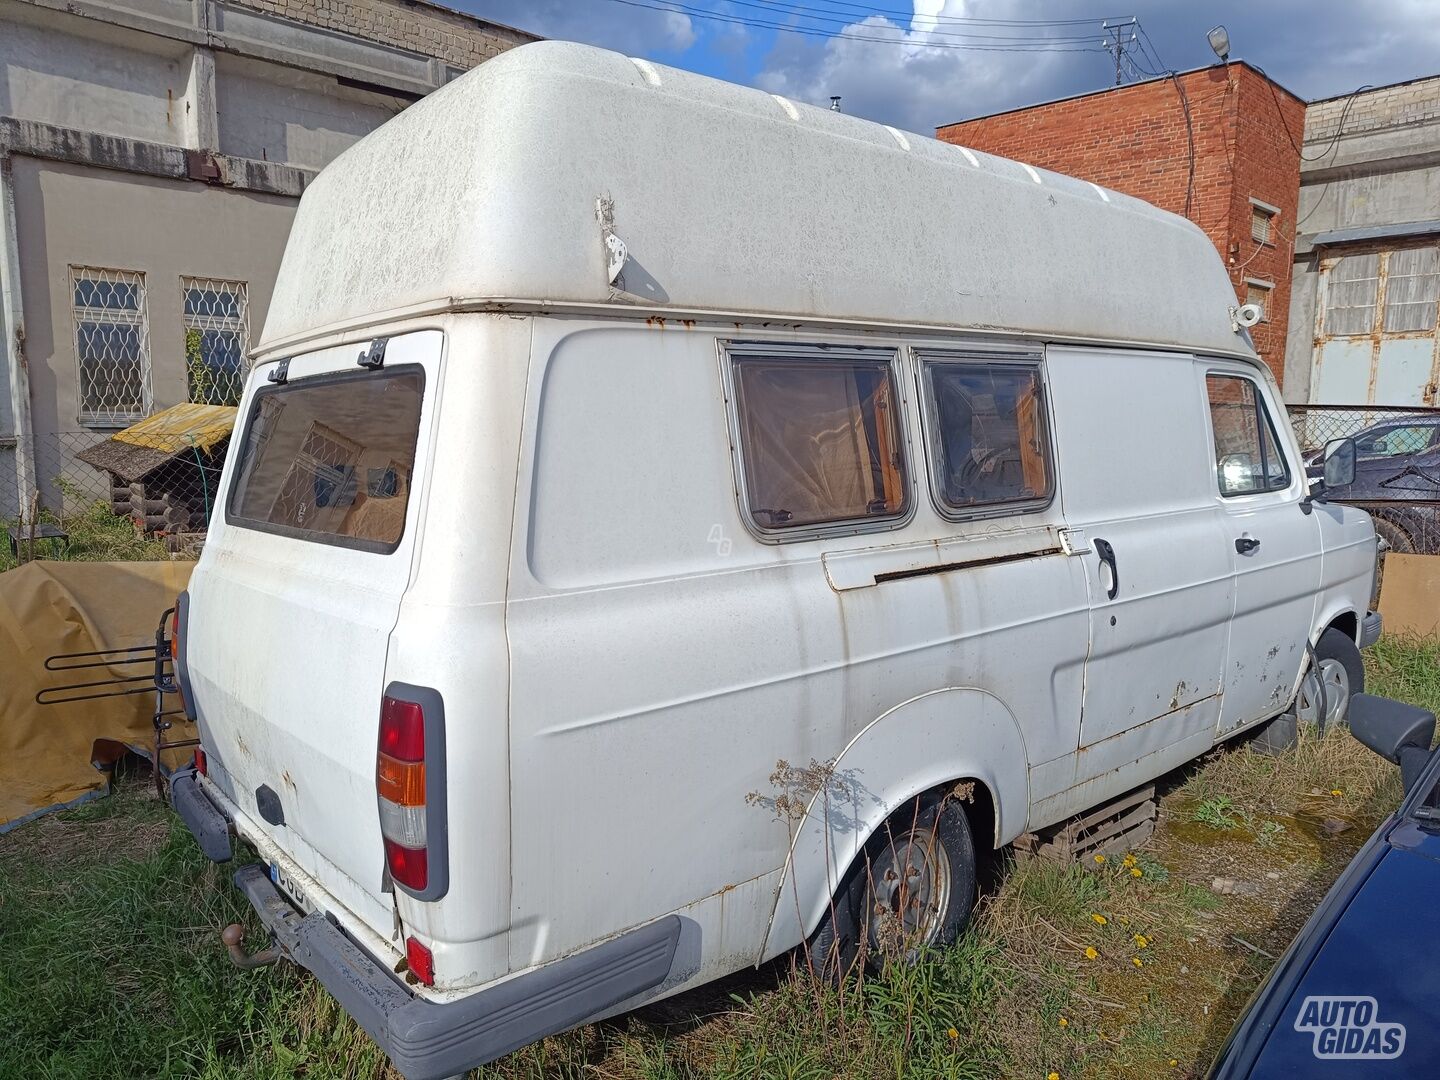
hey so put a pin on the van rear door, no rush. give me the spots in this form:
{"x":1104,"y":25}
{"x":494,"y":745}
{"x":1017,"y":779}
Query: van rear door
{"x":295,"y":597}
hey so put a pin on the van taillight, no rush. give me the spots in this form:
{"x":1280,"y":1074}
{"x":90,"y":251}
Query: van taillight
{"x":400,"y":787}
{"x":202,"y":765}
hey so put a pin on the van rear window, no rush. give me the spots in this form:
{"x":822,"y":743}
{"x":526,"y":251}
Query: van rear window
{"x":330,"y":458}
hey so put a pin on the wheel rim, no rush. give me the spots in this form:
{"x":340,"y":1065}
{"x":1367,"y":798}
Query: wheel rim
{"x":908,"y":893}
{"x":1336,"y":680}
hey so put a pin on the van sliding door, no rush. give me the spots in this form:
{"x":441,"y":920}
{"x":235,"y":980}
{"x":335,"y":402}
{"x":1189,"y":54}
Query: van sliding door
{"x":1133,"y":455}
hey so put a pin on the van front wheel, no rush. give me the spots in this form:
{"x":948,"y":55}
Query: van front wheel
{"x":912,"y":888}
{"x":1336,"y":675}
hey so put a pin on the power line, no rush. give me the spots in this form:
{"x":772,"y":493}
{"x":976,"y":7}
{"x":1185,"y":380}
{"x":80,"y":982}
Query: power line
{"x":1339,"y":128}
{"x":836,"y":6}
{"x":1039,"y":45}
{"x":843,"y":19}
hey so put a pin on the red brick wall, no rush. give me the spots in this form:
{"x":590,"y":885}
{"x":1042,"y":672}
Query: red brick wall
{"x":1133,"y":139}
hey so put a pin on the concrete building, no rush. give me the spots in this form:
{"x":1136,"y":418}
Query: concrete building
{"x":1218,"y":145}
{"x":1367,"y":257}
{"x":151,"y":156}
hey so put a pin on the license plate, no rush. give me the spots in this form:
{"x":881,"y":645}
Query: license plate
{"x":291,"y":888}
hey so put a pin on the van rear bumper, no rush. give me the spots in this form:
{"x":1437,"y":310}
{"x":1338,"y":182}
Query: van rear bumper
{"x":429,"y":1040}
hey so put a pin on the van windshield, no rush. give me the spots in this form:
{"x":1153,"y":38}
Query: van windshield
{"x":329,"y":459}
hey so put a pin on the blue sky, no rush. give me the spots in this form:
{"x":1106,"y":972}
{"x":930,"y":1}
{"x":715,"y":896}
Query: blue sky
{"x":912,"y":77}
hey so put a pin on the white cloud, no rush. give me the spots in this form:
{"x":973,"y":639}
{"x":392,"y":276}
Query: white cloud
{"x":912,"y":77}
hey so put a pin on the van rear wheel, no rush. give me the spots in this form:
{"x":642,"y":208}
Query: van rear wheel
{"x":912,"y":888}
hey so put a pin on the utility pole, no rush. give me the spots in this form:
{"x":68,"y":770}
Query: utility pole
{"x":1118,"y":38}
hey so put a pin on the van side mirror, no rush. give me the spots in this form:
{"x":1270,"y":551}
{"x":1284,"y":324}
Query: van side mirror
{"x":1339,"y":463}
{"x":1397,"y":732}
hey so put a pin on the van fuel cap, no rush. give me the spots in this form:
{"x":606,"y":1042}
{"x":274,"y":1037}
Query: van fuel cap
{"x":268,"y":803}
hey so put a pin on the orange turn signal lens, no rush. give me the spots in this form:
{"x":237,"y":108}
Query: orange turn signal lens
{"x":402,"y":782}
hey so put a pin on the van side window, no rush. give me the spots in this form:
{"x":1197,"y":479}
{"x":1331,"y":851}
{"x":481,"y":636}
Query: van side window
{"x":328,"y":459}
{"x":987,"y":433}
{"x":820,"y":439}
{"x":1248,"y":459}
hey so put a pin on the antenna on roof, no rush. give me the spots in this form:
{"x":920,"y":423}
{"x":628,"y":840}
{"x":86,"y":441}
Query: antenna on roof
{"x":834,"y":102}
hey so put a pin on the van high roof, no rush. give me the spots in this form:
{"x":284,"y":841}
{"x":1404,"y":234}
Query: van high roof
{"x":504,"y":190}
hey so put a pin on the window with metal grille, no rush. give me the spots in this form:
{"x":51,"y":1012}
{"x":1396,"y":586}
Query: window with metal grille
{"x":217,"y":339}
{"x":1259,"y":295}
{"x":112,"y":345}
{"x":1351,"y":290}
{"x":1412,"y":289}
{"x":1261,"y":221}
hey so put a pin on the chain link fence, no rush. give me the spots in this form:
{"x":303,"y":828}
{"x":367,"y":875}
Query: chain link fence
{"x":1398,"y":469}
{"x":141,"y":498}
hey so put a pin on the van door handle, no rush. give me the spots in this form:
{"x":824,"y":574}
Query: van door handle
{"x":1107,"y":556}
{"x":1246,"y":544}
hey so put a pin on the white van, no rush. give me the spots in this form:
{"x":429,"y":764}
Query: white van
{"x":661,"y":509}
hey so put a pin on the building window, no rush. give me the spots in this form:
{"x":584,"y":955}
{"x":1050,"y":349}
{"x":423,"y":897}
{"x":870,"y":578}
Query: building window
{"x":1248,"y":459}
{"x":1262,"y":222}
{"x":1258,"y":293}
{"x":1351,"y":290}
{"x":1412,"y":289}
{"x":112,"y":345}
{"x":987,"y":435}
{"x":820,"y":439}
{"x":217,"y":339}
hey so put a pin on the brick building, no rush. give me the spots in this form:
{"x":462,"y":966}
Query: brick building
{"x":1219,"y":145}
{"x":152,"y":153}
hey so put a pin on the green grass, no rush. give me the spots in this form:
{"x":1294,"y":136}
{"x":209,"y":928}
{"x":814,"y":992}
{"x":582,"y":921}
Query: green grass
{"x":96,"y":535}
{"x":109,"y":923}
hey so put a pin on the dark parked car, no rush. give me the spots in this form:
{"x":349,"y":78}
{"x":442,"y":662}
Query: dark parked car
{"x":1358,"y":991}
{"x":1397,"y":463}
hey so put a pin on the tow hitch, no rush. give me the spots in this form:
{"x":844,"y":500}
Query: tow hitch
{"x":233,"y":936}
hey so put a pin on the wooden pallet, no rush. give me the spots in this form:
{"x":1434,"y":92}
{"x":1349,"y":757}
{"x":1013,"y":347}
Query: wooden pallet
{"x":1121,"y":825}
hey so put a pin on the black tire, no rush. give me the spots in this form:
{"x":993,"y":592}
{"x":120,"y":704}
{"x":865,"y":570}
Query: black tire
{"x":1283,"y":732}
{"x":850,"y":934}
{"x":1336,"y":647}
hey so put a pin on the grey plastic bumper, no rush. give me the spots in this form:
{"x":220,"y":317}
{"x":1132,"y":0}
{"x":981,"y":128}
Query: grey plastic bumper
{"x":205,"y":822}
{"x":1370,"y":629}
{"x":427,"y":1040}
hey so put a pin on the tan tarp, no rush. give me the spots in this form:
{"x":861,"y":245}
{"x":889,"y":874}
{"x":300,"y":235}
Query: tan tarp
{"x":46,"y":608}
{"x":1410,"y":594}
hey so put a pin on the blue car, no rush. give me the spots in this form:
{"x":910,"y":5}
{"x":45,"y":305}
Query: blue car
{"x":1357,"y":994}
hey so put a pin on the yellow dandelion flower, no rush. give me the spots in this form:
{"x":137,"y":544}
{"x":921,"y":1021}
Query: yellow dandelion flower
{"x":1099,"y":920}
{"x":1135,"y":871}
{"x":1053,"y":1076}
{"x":953,"y":1033}
{"x":1129,"y":860}
{"x":1091,"y":952}
{"x":1174,"y":1062}
{"x":1099,"y":860}
{"x":1141,"y":941}
{"x":1137,"y":961}
{"x":1337,"y":793}
{"x":1064,"y":1023}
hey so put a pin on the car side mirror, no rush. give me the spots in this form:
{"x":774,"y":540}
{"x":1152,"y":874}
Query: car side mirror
{"x":1339,"y":463}
{"x":1397,"y":732}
